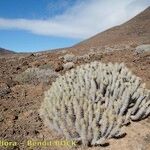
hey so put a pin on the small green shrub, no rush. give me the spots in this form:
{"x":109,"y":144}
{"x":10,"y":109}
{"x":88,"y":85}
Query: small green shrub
{"x":70,"y":58}
{"x":36,"y":75}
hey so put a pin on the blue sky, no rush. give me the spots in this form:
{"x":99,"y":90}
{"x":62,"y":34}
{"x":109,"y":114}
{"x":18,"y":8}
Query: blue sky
{"x":34,"y":25}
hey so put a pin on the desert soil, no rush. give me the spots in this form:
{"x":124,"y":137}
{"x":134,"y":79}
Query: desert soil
{"x":20,"y":102}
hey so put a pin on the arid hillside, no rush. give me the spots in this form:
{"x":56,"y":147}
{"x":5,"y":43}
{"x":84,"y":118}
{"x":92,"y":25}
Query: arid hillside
{"x":135,"y":31}
{"x":5,"y":51}
{"x":25,"y":77}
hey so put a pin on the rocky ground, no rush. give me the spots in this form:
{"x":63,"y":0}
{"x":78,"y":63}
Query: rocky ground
{"x":21,"y":95}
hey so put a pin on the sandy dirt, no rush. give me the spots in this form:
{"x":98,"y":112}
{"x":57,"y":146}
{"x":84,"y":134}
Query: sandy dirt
{"x":19,"y":106}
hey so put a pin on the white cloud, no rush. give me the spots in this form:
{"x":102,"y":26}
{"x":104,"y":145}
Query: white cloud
{"x":83,"y":20}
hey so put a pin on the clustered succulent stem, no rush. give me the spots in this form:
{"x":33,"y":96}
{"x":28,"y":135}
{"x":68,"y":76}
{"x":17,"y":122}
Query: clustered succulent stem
{"x":93,"y":102}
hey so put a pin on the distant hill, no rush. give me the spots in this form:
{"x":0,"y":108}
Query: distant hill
{"x":5,"y":51}
{"x":136,"y":30}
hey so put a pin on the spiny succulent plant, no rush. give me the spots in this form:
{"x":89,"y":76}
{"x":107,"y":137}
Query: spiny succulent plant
{"x":93,"y":102}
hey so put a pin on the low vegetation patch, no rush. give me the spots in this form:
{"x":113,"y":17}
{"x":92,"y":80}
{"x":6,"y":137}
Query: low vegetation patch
{"x":36,"y":75}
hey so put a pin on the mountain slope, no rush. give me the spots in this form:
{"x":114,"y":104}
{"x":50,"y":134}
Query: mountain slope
{"x":136,"y":30}
{"x":5,"y":51}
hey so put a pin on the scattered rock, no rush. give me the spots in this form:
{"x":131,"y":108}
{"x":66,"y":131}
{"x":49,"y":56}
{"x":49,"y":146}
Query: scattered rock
{"x":109,"y":49}
{"x":1,"y":118}
{"x":58,"y":67}
{"x":4,"y":89}
{"x":32,"y":55}
{"x":10,"y":82}
{"x":18,"y":68}
{"x":68,"y":65}
{"x":147,"y":138}
{"x":15,"y":117}
{"x":36,"y":132}
{"x":143,"y":48}
{"x":83,"y":57}
{"x":25,"y":63}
